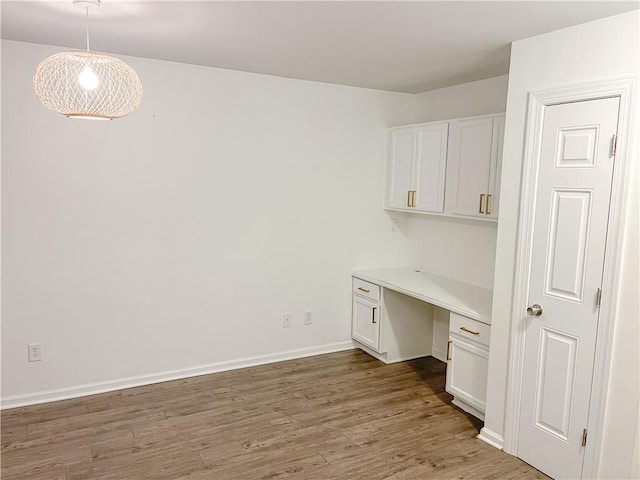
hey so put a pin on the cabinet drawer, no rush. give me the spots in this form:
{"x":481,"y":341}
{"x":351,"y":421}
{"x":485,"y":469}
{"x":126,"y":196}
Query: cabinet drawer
{"x":366,"y":289}
{"x":470,"y":329}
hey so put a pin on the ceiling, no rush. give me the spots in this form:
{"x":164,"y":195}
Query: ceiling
{"x":399,"y":46}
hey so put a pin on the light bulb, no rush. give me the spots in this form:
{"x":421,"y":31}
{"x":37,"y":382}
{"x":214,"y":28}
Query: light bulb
{"x":88,"y":79}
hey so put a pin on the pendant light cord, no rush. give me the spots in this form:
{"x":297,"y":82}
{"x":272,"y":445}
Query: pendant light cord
{"x":87,"y":12}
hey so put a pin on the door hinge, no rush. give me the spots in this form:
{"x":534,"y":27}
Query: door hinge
{"x":584,"y":437}
{"x":614,"y":145}
{"x":598,"y":297}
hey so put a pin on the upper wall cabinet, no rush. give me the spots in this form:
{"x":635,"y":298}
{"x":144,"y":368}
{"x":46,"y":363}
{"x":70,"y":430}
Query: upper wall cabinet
{"x":468,"y":150}
{"x":416,"y":168}
{"x":496,"y":165}
{"x":474,"y":165}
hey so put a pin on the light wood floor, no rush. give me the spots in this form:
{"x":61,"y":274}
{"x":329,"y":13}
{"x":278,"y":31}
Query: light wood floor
{"x":337,"y":416}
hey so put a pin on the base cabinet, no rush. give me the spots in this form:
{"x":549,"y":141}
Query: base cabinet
{"x":388,"y":325}
{"x":468,"y":362}
{"x":366,"y":322}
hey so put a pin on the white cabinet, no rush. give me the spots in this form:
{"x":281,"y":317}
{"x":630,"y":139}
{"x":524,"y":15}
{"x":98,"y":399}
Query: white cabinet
{"x":497,"y":144}
{"x":465,"y":154}
{"x":467,"y":369}
{"x":400,"y":168}
{"x":365,"y":322}
{"x":417,"y":167}
{"x":473,"y":166}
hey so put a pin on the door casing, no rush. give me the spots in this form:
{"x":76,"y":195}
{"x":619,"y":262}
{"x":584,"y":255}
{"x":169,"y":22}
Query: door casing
{"x":623,"y":88}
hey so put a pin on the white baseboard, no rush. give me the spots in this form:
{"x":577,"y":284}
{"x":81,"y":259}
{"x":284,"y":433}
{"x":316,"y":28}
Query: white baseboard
{"x":379,"y":356}
{"x":384,"y":357}
{"x":491,"y":438}
{"x":411,"y":357}
{"x":129,"y":382}
{"x":440,"y":355}
{"x":470,"y":409}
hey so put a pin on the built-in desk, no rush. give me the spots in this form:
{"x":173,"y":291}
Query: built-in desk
{"x":462,"y":298}
{"x":401,"y":313}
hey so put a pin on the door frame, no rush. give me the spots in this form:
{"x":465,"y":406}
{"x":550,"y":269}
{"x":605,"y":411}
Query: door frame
{"x":624,"y":89}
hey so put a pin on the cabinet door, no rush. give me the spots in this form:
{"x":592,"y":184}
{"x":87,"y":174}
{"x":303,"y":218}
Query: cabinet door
{"x":469,"y":166}
{"x":467,"y":372}
{"x":430,"y":166}
{"x":401,"y":158}
{"x":496,"y":166}
{"x":365,"y":325}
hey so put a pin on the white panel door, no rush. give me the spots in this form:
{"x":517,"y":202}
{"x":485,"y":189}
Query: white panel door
{"x":403,"y":146}
{"x":430,"y":167}
{"x":365,"y":325}
{"x":469,"y":166}
{"x":570,"y":224}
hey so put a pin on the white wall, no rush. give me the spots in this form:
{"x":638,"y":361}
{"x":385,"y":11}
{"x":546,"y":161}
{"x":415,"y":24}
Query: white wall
{"x":176,"y":238}
{"x":597,"y":50}
{"x":465,"y":100}
{"x":456,"y":248}
{"x":170,"y":242}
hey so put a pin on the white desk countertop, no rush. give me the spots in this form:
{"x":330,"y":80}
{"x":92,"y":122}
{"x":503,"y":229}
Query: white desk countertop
{"x":459,"y":297}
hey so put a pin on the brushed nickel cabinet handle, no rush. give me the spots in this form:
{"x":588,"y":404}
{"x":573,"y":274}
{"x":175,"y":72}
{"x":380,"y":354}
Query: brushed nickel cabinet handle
{"x":481,"y":202}
{"x":363,"y":290}
{"x":448,"y":350}
{"x":488,"y":203}
{"x":465,"y":329}
{"x":373,"y":315}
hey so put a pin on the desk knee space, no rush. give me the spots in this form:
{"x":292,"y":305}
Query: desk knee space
{"x":404,"y":326}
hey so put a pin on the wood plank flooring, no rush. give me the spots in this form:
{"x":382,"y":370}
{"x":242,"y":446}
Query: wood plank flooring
{"x":338,"y":416}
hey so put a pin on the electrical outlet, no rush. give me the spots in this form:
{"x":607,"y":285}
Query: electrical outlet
{"x":287,"y":320}
{"x":308,"y":317}
{"x":35,"y":352}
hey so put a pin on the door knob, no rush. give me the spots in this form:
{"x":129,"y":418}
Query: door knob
{"x":534,"y":310}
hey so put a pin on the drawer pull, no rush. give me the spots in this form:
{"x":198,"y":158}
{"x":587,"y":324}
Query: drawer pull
{"x":448,"y":349}
{"x":408,"y":198}
{"x":481,"y":202}
{"x":488,"y":203}
{"x":373,"y":315}
{"x":465,"y":329}
{"x":363,"y":290}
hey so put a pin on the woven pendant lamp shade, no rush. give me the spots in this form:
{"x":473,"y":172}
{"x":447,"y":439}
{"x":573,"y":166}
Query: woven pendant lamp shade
{"x":86,"y":84}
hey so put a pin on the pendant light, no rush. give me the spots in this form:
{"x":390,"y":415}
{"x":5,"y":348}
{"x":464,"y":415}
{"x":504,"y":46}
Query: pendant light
{"x":86,"y":84}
